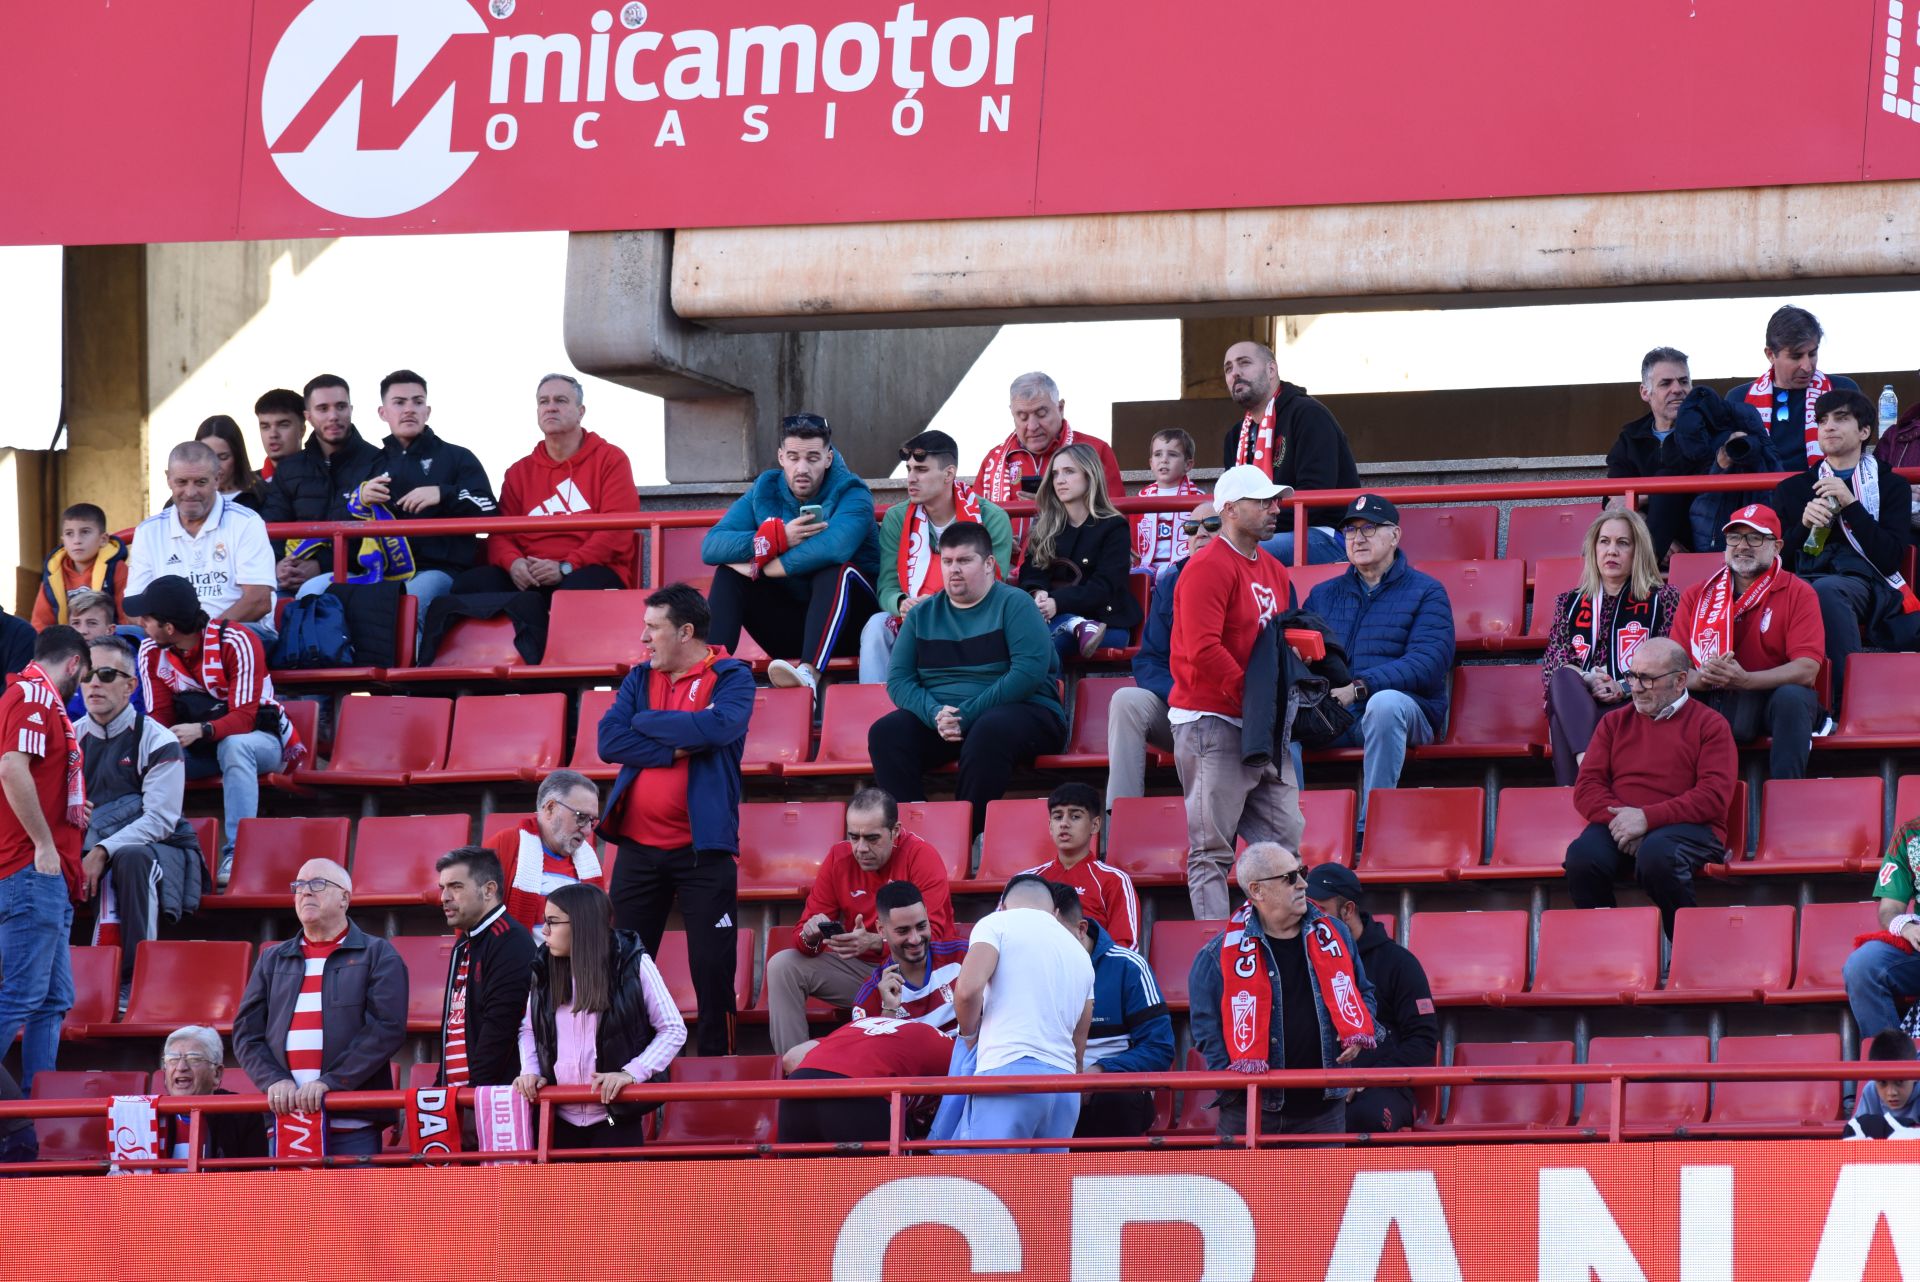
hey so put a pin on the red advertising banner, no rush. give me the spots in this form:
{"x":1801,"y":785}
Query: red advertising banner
{"x":1698,"y":1212}
{"x":225,"y":119}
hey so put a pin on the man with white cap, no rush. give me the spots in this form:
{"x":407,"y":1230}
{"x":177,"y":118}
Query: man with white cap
{"x":1225,"y":596}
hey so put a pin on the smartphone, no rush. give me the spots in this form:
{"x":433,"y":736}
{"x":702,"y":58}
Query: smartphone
{"x":829,"y":929}
{"x":811,"y":511}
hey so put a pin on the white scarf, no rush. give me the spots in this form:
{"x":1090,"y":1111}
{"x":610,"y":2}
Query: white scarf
{"x":1866,"y":488}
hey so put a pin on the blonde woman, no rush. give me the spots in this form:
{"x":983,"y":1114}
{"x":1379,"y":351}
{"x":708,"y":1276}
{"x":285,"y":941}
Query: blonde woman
{"x":1078,"y":555}
{"x":1596,"y":628}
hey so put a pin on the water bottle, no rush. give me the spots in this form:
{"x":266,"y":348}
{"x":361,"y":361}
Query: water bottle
{"x":1889,"y":410}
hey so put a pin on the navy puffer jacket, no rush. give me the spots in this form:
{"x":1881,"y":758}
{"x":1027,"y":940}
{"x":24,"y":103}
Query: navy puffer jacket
{"x":1397,"y":637}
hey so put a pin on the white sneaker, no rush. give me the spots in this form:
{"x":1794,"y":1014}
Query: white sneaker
{"x":785,"y":674}
{"x":226,"y":870}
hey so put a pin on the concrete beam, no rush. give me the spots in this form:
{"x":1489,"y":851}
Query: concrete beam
{"x":1297,"y":261}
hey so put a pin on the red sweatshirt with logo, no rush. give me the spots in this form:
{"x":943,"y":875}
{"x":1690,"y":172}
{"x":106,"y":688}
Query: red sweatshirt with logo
{"x":1220,"y":603}
{"x":597,"y":478}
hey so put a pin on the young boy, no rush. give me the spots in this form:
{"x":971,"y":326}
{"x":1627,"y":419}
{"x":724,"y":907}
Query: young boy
{"x":1074,"y":818}
{"x":86,"y":558}
{"x":1158,"y":538}
{"x":91,"y":614}
{"x":1887,"y":1109}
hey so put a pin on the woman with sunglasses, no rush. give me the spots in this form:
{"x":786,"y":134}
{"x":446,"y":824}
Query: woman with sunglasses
{"x":1079,"y":555}
{"x":1619,"y":603}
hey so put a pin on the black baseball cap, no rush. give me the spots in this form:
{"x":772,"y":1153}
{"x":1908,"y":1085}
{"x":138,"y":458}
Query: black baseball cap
{"x":1333,"y":881}
{"x":169,"y":597}
{"x":1371,"y":507}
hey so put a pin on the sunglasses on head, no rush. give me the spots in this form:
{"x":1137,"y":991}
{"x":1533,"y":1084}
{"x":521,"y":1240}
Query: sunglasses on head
{"x":1211,"y":524}
{"x":918,"y":456}
{"x":814,"y":421}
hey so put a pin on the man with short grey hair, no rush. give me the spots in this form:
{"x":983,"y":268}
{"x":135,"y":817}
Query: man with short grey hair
{"x":550,"y":848}
{"x":219,"y":547}
{"x":192,"y":1063}
{"x":1011,"y":471}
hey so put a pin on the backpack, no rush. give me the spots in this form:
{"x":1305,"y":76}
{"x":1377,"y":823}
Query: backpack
{"x":313,"y":634}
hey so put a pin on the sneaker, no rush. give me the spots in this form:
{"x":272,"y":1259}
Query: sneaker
{"x":786,"y":674}
{"x":225,"y":874}
{"x":1089,"y":635}
{"x":1825,"y":727}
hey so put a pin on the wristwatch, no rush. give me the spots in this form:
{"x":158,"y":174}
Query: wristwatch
{"x":1360,"y":691}
{"x":566,"y":567}
{"x":206,"y":731}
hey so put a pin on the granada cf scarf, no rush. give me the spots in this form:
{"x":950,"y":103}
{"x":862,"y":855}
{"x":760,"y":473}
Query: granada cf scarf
{"x":433,"y":1125}
{"x":136,"y":1132}
{"x":1714,"y":617}
{"x":914,"y":560}
{"x":1866,"y":488}
{"x":298,"y":1135}
{"x":1603,"y":633}
{"x":1760,"y":395}
{"x":1258,"y":444}
{"x":49,"y":695}
{"x":1160,"y":538}
{"x":503,"y":1121}
{"x":1247,"y":996}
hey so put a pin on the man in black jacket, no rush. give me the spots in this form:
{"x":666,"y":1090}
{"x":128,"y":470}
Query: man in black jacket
{"x":1846,"y":519}
{"x":314,"y":484}
{"x":1292,"y":438}
{"x":488,"y":975}
{"x":1409,"y":1031}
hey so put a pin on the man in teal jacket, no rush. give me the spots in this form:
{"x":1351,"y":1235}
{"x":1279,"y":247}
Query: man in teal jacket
{"x":796,"y":558}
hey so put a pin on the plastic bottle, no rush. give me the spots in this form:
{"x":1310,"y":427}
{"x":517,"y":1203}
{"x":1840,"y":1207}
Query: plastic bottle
{"x":1889,"y":410}
{"x":1817,"y":537}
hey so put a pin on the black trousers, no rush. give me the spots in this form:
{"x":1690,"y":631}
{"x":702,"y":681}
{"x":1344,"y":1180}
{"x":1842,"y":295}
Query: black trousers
{"x":528,"y":609}
{"x":135,"y":871}
{"x":1856,"y":614}
{"x":646,"y":881}
{"x":1664,"y":866}
{"x":904,"y":748}
{"x":831,"y":1121}
{"x":1328,"y":1121}
{"x":617,"y":1132}
{"x":811,"y":618}
{"x":1113,"y":1113}
{"x":1786,"y":713}
{"x":1380,"y":1109}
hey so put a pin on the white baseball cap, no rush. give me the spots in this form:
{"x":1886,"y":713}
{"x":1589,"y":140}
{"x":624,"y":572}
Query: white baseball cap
{"x":1247,"y":481}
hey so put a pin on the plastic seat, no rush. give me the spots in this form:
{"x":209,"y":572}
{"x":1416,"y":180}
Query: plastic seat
{"x":1553,"y":530}
{"x":1532,"y":829}
{"x":1906,"y":799}
{"x":393,"y":857}
{"x":783,"y":844}
{"x":1769,"y":1105}
{"x":677,"y":971}
{"x":1489,"y":600}
{"x":1827,"y":932}
{"x":1017,"y":838}
{"x":848,"y":711}
{"x":1592,"y":957}
{"x":304,"y":716}
{"x":1305,"y":578}
{"x":267,"y":854}
{"x":1551,"y":576}
{"x":183,"y":981}
{"x":586,"y":736}
{"x":1422,"y":834}
{"x":1329,"y":815}
{"x":1650,"y":1106}
{"x":1170,"y":955}
{"x":1470,"y":956}
{"x":428,"y":959}
{"x":80,"y":1139}
{"x":1449,"y":533}
{"x":381,"y":739}
{"x":1087,"y":744}
{"x":1495,"y":711}
{"x":1147,"y":840}
{"x":676,"y":557}
{"x":470,"y":650}
{"x":499,"y":821}
{"x":720,"y":1121}
{"x":591,"y":635}
{"x":1816,"y":826}
{"x":1689,"y":568}
{"x":206,"y":831}
{"x":780,"y":731}
{"x":499,"y":737}
{"x":96,"y":989}
{"x":1880,"y":707}
{"x":1727,"y":955}
{"x":947,"y":826}
{"x":1198,"y":1115}
{"x":1496,"y":1105}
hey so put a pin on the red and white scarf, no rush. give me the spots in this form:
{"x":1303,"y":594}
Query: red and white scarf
{"x":1760,"y":396}
{"x":537,"y":874}
{"x":135,"y":1130}
{"x":1715,"y":613}
{"x":46,"y":694}
{"x":1160,"y":538}
{"x":1259,"y":443}
{"x":1866,"y":488}
{"x":915,"y":560}
{"x":433,"y":1125}
{"x":1010,"y":462}
{"x":1246,"y":1003}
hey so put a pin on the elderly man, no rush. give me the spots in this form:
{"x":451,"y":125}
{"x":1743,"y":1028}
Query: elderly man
{"x":839,"y":941}
{"x":1287,"y":990}
{"x":1130,"y":1031}
{"x":1758,"y":648}
{"x":972,"y":680}
{"x":316,"y":483}
{"x":324,"y":1011}
{"x":1397,"y":627}
{"x":1011,"y":471}
{"x":1138,"y":714}
{"x":796,"y":558}
{"x":192,"y":1062}
{"x":1225,"y":596}
{"x":141,"y":854}
{"x":1654,"y":789}
{"x":910,"y":542}
{"x":1787,"y":395}
{"x":488,"y":975}
{"x":551,"y":848}
{"x":220,"y":548}
{"x":1291,"y":438}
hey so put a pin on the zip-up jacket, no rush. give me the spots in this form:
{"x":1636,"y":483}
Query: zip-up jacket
{"x":851,"y":538}
{"x":499,"y":971}
{"x":624,"y":1030}
{"x":60,"y":576}
{"x":313,"y":486}
{"x":1131,"y":1030}
{"x":1398,"y":636}
{"x":637,"y":737}
{"x":464,"y":491}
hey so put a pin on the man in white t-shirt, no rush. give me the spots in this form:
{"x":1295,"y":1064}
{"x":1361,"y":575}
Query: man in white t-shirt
{"x":1025,"y":995}
{"x":219,"y":547}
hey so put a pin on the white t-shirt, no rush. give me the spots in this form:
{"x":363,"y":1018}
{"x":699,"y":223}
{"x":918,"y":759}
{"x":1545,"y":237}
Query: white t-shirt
{"x":230,"y":552}
{"x":1040,"y":988}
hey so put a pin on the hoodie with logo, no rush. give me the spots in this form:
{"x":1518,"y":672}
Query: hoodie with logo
{"x":597,"y":478}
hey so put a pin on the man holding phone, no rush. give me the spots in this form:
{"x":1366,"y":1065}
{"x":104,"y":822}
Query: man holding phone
{"x":796,"y":558}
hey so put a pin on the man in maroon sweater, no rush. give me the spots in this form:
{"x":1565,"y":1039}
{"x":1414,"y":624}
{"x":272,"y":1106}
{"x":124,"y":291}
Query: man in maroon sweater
{"x":1654,"y":788}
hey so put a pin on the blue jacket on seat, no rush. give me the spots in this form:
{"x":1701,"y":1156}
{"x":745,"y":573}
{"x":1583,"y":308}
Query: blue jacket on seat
{"x":1399,"y":636}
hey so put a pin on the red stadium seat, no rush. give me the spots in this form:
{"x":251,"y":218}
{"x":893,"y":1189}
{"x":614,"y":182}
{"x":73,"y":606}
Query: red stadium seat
{"x":1906,"y":800}
{"x":720,"y":1121}
{"x":1548,"y":531}
{"x":1815,"y":826}
{"x":1592,"y":957}
{"x":1147,"y":840}
{"x":206,"y":831}
{"x":1328,"y":814}
{"x":183,"y":981}
{"x":79,"y":1139}
{"x":1305,"y":578}
{"x":783,"y":844}
{"x":1496,"y":711}
{"x":1470,"y":956}
{"x":1532,"y":829}
{"x":1489,"y":600}
{"x":1448,"y":533}
{"x":501,"y":737}
{"x":1880,"y":707}
{"x":267,"y":854}
{"x":1650,"y":1106}
{"x":1087,"y":745}
{"x":393,"y":857}
{"x":1017,"y":838}
{"x":675,"y":969}
{"x":586,"y":736}
{"x":948,"y":827}
{"x":848,"y":711}
{"x":1496,"y":1105}
{"x":428,"y":958}
{"x":591,"y":635}
{"x":1422,"y":834}
{"x":1198,"y":1113}
{"x":1689,"y":568}
{"x":1171,"y":952}
{"x":780,"y":732}
{"x":677,"y":557}
{"x":1771,"y":1105}
{"x":470,"y":650}
{"x":304,"y":716}
{"x":499,"y":821}
{"x":1827,"y":932}
{"x":96,"y":988}
{"x":1727,"y":955}
{"x":381,"y":739}
{"x":1551,"y":576}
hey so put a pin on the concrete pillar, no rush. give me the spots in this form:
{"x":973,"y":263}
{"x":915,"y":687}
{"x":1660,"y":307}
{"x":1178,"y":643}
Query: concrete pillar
{"x":1203,"y":345}
{"x":106,"y":380}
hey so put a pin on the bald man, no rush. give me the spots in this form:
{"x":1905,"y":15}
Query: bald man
{"x":325,"y":1011}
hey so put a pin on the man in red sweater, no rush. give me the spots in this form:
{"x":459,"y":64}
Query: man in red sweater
{"x":1106,"y":893}
{"x":1227,"y":593}
{"x":1011,"y":471}
{"x":1654,"y":788}
{"x":832,"y":964}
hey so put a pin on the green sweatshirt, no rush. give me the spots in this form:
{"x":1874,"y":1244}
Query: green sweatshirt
{"x":993,"y":652}
{"x":999,"y":529}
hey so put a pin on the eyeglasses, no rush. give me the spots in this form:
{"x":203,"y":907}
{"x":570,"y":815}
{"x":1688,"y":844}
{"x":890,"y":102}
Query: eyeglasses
{"x":555,"y":924}
{"x":1298,"y":877}
{"x":813,"y":421}
{"x":1211,"y":524}
{"x":580,"y":817}
{"x":1641,"y":680}
{"x":108,"y":674}
{"x":1362,"y":530}
{"x":1748,"y":540}
{"x":192,"y":1059}
{"x":311,"y":886}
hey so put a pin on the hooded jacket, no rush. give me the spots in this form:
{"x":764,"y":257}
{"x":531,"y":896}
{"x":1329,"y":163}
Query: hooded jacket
{"x":1313,"y":453}
{"x":315,"y":486}
{"x":596,"y":478}
{"x":59,"y":577}
{"x":638,"y":738}
{"x":1399,"y":636}
{"x":464,"y":488}
{"x":1409,"y":1030}
{"x":852,"y":537}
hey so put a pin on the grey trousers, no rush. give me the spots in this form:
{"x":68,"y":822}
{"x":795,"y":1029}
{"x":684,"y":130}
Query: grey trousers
{"x":1135,"y":719}
{"x":1226,"y":798}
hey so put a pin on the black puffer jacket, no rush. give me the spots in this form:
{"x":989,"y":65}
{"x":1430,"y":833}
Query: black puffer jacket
{"x":624,"y":1030}
{"x":311,"y":486}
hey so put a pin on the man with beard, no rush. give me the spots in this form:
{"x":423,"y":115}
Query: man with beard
{"x":1292,"y":438}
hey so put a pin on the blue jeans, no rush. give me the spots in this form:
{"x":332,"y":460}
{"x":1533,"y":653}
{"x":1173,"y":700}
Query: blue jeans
{"x":1875,"y":974}
{"x":1021,"y":1117}
{"x":1322,"y":548}
{"x":36,"y":986}
{"x":1390,"y":723}
{"x":239,"y":760}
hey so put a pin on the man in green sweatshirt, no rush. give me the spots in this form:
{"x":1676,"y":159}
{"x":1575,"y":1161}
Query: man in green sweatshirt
{"x":973,"y":676}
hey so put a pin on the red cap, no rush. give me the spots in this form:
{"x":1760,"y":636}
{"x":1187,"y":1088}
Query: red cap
{"x":1755,"y":516}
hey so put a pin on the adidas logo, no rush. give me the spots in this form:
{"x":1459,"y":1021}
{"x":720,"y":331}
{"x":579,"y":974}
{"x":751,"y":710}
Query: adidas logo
{"x":35,"y":720}
{"x":173,"y":558}
{"x":725,"y":922}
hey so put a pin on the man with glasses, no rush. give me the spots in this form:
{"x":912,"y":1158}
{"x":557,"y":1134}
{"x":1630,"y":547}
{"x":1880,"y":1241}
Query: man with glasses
{"x":192,"y":1063}
{"x":1757,"y":645}
{"x":550,"y":848}
{"x":1654,"y":789}
{"x":141,"y":856}
{"x":1397,"y":627}
{"x":910,"y":542}
{"x":796,"y":558}
{"x":839,"y":940}
{"x":1286,"y":990}
{"x":324,"y":1011}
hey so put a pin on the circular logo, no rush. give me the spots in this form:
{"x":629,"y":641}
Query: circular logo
{"x":633,"y":16}
{"x":327,"y":76}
